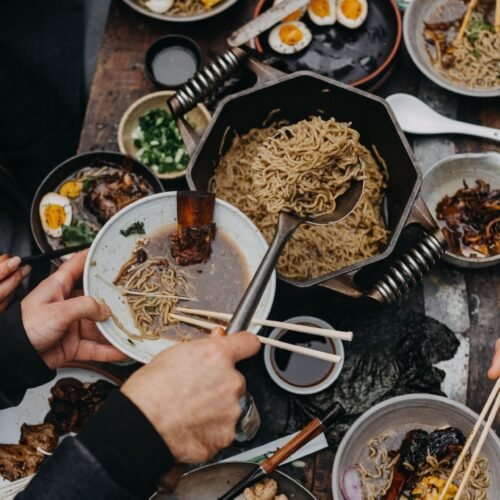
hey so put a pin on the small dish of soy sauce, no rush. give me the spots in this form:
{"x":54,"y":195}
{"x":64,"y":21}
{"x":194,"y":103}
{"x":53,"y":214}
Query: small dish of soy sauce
{"x":172,"y":60}
{"x":301,"y":374}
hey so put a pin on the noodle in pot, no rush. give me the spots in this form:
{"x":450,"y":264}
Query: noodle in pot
{"x":328,"y":248}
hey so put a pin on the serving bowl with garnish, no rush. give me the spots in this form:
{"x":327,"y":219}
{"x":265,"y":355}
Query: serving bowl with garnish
{"x":366,"y":452}
{"x":78,"y":196}
{"x":454,"y":49}
{"x":148,"y":133}
{"x":139,"y":275}
{"x":463,"y":194}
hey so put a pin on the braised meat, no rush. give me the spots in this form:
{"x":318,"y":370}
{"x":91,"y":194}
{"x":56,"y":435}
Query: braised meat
{"x":192,"y":242}
{"x":18,"y":461}
{"x":42,"y":436}
{"x":446,"y":443}
{"x":111,"y":192}
{"x":72,"y":403}
{"x":472,"y":217}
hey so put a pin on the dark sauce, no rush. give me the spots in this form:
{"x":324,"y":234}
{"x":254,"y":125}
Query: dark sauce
{"x":299,"y":370}
{"x":218,"y":284}
{"x":175,"y":65}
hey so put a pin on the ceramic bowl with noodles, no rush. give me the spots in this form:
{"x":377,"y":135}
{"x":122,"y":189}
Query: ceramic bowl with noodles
{"x":141,"y":297}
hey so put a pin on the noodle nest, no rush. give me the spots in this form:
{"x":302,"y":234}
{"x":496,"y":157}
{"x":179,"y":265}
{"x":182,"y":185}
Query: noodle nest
{"x":183,"y":7}
{"x":246,"y":178}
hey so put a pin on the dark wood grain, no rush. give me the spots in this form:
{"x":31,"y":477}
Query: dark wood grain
{"x":120,"y":79}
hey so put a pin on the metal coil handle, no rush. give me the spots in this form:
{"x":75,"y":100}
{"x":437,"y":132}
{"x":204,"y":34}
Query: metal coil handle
{"x":206,"y":81}
{"x":409,"y":269}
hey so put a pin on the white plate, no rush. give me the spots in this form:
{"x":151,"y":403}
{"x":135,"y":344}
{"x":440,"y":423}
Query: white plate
{"x":110,"y":250}
{"x":35,"y":405}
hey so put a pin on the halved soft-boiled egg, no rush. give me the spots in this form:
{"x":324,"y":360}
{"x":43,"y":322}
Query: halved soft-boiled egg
{"x":159,"y":6}
{"x":290,"y":37}
{"x":294,"y":16}
{"x":71,"y":189}
{"x":55,"y":212}
{"x":322,"y":12}
{"x":352,"y":13}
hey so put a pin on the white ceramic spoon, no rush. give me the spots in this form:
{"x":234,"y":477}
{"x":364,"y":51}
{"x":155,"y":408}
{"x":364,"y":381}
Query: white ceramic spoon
{"x":416,"y":117}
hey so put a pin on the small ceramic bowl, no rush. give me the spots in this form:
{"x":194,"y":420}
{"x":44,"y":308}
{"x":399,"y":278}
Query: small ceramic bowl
{"x":185,"y":44}
{"x":198,"y":118}
{"x":447,"y":177}
{"x":270,"y":360}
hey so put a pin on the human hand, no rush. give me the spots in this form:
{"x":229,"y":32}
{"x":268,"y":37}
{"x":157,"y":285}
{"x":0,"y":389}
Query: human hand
{"x":494,"y":371}
{"x":11,"y":275}
{"x":190,"y":393}
{"x":60,"y":322}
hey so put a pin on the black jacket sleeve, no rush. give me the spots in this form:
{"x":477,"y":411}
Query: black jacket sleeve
{"x":20,"y":365}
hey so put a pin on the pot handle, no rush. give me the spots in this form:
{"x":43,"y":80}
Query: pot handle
{"x":407,"y":270}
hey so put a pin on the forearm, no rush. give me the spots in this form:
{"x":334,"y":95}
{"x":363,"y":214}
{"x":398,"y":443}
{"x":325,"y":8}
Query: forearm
{"x":20,"y":365}
{"x":118,"y":455}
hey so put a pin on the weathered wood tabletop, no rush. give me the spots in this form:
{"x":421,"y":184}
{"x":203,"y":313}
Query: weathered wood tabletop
{"x":466,"y":301}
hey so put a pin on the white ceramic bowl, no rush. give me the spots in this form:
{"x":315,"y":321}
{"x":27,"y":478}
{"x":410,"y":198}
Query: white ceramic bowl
{"x":110,"y":250}
{"x":415,"y":410}
{"x":313,"y":389}
{"x":446,"y":178}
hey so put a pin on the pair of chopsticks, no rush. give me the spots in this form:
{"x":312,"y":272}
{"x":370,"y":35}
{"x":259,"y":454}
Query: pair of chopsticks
{"x":54,"y":254}
{"x":312,"y":330}
{"x":468,"y":16}
{"x":493,"y":400}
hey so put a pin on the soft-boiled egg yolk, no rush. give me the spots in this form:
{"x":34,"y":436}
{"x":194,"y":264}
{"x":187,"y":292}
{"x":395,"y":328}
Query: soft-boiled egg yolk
{"x":320,"y":7}
{"x":351,"y":8}
{"x":71,"y":189}
{"x":290,"y":34}
{"x":54,"y":216}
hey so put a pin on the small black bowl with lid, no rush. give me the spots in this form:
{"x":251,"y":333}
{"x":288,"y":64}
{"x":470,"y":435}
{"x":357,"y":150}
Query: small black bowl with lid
{"x":172,"y":60}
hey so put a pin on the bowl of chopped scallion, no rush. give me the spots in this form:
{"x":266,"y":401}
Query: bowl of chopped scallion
{"x":149,"y":133}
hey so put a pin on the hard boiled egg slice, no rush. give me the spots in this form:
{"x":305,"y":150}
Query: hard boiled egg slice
{"x":352,"y":13}
{"x":290,"y":37}
{"x":159,"y":6}
{"x":294,"y":16}
{"x":322,"y":12}
{"x":71,"y":189}
{"x":55,"y":212}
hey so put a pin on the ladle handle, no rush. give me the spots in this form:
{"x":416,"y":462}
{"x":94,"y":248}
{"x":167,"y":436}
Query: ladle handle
{"x":457,"y":127}
{"x":287,"y":224}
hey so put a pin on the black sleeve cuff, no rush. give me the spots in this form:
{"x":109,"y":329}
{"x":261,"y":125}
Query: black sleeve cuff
{"x":21,"y":367}
{"x":127,"y":445}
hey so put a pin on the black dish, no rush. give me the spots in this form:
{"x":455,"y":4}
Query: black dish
{"x":69,"y":167}
{"x":358,"y":57}
{"x":184,"y":56}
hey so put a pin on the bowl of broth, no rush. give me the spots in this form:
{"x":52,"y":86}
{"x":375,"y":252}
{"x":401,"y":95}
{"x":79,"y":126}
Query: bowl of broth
{"x":301,"y":374}
{"x":140,"y":326}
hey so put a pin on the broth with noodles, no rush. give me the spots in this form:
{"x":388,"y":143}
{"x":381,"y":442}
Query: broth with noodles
{"x":151,"y":273}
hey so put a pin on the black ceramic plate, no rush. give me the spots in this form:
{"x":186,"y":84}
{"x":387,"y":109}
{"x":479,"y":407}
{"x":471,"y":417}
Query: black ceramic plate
{"x":358,"y":57}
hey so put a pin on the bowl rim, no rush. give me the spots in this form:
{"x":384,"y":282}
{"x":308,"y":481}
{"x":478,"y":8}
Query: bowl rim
{"x":158,"y":188}
{"x":218,"y":9}
{"x":374,"y":74}
{"x":159,"y":43}
{"x":323,"y":384}
{"x":166,"y":194}
{"x":430,"y":73}
{"x":416,"y":399}
{"x":449,"y":256}
{"x":126,"y":117}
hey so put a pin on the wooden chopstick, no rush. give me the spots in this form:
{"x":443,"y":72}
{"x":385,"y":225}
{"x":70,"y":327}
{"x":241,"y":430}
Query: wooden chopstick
{"x":491,"y":398}
{"x":292,"y":327}
{"x":466,"y":19}
{"x":497,"y":16}
{"x":312,"y":353}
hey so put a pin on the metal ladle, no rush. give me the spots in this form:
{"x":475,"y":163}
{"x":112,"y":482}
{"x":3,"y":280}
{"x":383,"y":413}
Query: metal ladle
{"x":287,"y":224}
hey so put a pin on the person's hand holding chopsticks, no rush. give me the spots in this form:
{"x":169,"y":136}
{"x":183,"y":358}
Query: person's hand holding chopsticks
{"x":60,"y":322}
{"x":494,"y":371}
{"x":11,"y":275}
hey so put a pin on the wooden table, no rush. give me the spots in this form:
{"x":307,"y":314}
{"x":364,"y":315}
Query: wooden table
{"x":466,"y":301}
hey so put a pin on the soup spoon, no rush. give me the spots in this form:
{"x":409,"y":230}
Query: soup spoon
{"x":287,"y":224}
{"x":416,"y":117}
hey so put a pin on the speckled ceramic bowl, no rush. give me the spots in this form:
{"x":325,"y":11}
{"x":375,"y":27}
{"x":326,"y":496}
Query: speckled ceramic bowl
{"x":415,"y":410}
{"x":110,"y":250}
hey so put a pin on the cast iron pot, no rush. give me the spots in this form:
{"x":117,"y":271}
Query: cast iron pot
{"x":298,"y":96}
{"x":69,"y":167}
